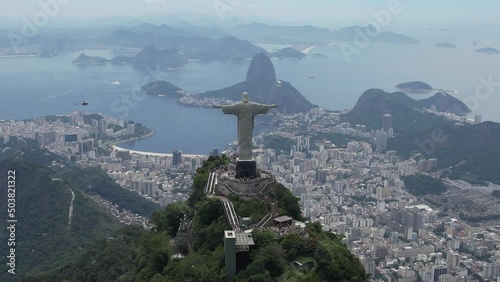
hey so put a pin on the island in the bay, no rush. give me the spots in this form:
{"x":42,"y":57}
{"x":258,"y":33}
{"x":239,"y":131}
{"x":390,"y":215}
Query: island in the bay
{"x":84,"y":59}
{"x":289,"y":53}
{"x":445,"y":45}
{"x":488,"y":50}
{"x":414,"y":86}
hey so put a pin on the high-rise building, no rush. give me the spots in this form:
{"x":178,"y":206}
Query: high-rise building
{"x":230,"y":253}
{"x":85,"y":146}
{"x":453,"y":260}
{"x":302,"y":144}
{"x":369,"y":266}
{"x":477,"y":119}
{"x":321,"y":175}
{"x":71,"y":137}
{"x":176,"y":158}
{"x":387,"y":122}
{"x":102,"y":126}
{"x":446,"y":278}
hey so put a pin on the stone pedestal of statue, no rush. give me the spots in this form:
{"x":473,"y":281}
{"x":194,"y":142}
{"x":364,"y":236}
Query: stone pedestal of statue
{"x":246,"y":169}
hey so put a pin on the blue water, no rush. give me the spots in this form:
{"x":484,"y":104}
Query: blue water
{"x":32,"y":87}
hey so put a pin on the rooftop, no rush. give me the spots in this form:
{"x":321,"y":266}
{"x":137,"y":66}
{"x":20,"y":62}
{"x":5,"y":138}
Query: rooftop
{"x":283,"y":218}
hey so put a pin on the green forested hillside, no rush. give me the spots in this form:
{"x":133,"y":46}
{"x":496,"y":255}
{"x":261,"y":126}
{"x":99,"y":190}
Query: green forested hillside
{"x":44,"y":238}
{"x":95,"y":180}
{"x":133,"y":254}
{"x":475,"y":148}
{"x":44,"y":183}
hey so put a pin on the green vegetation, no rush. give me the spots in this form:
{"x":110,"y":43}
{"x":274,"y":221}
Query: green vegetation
{"x":43,"y":199}
{"x":44,"y":239}
{"x":423,"y":185}
{"x":140,"y":130}
{"x":278,"y":144}
{"x":87,"y":119}
{"x":374,"y":103}
{"x":115,"y":127}
{"x":201,"y":178}
{"x":169,"y":218}
{"x":414,"y":86}
{"x":52,"y":118}
{"x":254,"y":208}
{"x":480,"y":218}
{"x":162,"y":87}
{"x":107,"y":260}
{"x":496,"y":193}
{"x":288,"y":53}
{"x":287,"y":203}
{"x":134,"y":254}
{"x":477,"y":145}
{"x":95,"y":180}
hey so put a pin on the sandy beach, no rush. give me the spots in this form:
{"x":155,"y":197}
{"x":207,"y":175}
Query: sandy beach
{"x":155,"y":154}
{"x":307,"y":50}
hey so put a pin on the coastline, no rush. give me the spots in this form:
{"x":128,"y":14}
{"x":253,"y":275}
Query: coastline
{"x":423,"y":91}
{"x":17,"y":56}
{"x":114,"y":146}
{"x":307,"y":50}
{"x":144,"y":153}
{"x":134,"y":138}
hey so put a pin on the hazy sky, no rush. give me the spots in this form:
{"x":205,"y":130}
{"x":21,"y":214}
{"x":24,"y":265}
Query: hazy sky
{"x":472,"y":11}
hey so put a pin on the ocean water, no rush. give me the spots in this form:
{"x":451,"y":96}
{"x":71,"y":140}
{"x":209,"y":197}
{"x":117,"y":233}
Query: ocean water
{"x":32,"y":86}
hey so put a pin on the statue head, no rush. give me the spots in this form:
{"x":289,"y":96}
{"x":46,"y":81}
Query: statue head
{"x":244,"y":97}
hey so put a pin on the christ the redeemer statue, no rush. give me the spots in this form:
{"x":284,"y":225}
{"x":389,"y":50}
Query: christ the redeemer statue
{"x":246,"y":111}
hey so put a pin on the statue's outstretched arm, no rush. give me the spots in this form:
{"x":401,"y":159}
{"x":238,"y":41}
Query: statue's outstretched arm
{"x":217,"y":106}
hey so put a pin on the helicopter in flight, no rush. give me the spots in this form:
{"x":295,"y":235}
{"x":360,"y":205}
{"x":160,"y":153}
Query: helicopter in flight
{"x":83,"y":103}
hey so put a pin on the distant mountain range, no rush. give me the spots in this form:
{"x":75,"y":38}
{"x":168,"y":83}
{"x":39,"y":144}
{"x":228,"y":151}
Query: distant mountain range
{"x":168,"y":59}
{"x":193,"y":47}
{"x":206,"y":43}
{"x":313,"y":35}
{"x":151,"y":56}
